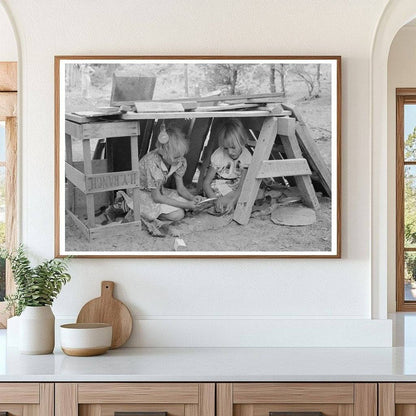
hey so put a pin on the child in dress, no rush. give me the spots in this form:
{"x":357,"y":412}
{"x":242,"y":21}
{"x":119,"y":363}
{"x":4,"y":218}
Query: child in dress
{"x":155,"y":168}
{"x":228,"y":168}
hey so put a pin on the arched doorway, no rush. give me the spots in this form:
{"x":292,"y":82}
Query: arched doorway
{"x":396,"y":14}
{"x":8,"y":148}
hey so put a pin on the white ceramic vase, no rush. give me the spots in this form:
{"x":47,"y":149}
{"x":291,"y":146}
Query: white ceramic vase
{"x":37,"y":330}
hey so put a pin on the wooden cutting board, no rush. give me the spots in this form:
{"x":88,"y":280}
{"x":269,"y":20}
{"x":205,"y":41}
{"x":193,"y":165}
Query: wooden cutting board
{"x":107,"y":309}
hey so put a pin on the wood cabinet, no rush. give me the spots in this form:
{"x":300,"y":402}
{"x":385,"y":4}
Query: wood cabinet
{"x":105,"y":399}
{"x":208,"y":399}
{"x":27,"y":399}
{"x":397,"y":399}
{"x":299,"y":399}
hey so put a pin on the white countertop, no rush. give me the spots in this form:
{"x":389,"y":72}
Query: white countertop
{"x":213,"y":364}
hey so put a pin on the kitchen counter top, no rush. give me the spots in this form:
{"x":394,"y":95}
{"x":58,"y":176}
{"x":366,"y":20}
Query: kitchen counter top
{"x":213,"y":364}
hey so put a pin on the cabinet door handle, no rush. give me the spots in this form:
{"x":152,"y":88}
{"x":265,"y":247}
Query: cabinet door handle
{"x":296,"y":414}
{"x":138,"y":414}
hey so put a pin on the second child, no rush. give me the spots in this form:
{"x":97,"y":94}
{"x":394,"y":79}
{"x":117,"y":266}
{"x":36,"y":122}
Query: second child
{"x":228,"y":166}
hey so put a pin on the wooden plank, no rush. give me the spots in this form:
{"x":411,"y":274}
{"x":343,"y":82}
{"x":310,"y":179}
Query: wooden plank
{"x":279,"y":168}
{"x":109,"y":181}
{"x":79,"y":224}
{"x":311,"y":153}
{"x":191,"y":115}
{"x":111,"y":129}
{"x":251,"y":183}
{"x":365,"y":399}
{"x":405,"y":393}
{"x":252,"y":393}
{"x":170,"y":409}
{"x":47,"y":399}
{"x":157,"y":106}
{"x":8,"y":105}
{"x":86,"y":152}
{"x":224,"y":399}
{"x":225,"y":97}
{"x":76,"y":177}
{"x":386,"y":399}
{"x":229,"y":107}
{"x":66,"y":399}
{"x":114,"y":229}
{"x":70,"y":198}
{"x":197,"y":137}
{"x":304,"y":183}
{"x":8,"y":76}
{"x":138,"y":393}
{"x":207,"y":399}
{"x":310,"y":149}
{"x":134,"y":150}
{"x":27,"y":393}
{"x":73,"y":129}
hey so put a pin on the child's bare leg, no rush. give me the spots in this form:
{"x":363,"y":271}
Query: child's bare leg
{"x":176,"y":215}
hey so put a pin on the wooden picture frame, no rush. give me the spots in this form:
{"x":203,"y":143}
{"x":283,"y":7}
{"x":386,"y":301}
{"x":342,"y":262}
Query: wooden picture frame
{"x":404,"y":96}
{"x":288,"y":155}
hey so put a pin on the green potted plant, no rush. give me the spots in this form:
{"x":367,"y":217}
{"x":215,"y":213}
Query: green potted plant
{"x":36,"y":289}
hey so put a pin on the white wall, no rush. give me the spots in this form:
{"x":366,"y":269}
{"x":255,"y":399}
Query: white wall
{"x":179,"y":302}
{"x":8,"y":47}
{"x":401,"y":74}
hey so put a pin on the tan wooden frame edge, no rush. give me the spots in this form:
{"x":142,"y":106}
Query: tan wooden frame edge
{"x":403,"y":96}
{"x":8,"y":87}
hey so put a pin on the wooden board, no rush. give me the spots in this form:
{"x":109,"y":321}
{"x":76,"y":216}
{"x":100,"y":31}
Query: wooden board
{"x":155,"y":106}
{"x":128,"y":89}
{"x":193,"y":114}
{"x":310,"y":149}
{"x":107,"y":309}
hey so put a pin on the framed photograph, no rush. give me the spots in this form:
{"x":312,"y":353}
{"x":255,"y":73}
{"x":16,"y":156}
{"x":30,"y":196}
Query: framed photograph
{"x":198,"y":156}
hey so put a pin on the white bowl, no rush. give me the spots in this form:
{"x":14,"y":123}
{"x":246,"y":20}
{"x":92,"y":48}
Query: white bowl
{"x":83,"y":340}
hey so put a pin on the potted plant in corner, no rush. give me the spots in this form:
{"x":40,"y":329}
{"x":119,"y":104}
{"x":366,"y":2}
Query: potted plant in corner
{"x":36,"y":289}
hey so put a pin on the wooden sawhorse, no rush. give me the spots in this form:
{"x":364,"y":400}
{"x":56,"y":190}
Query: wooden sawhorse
{"x":261,"y":167}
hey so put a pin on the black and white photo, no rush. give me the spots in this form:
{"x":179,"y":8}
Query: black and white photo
{"x":198,"y":156}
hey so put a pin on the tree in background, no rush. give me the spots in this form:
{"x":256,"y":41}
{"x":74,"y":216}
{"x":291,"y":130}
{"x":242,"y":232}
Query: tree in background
{"x":272,"y":78}
{"x":222,"y":75}
{"x":410,"y":205}
{"x":318,"y":79}
{"x":303,"y":72}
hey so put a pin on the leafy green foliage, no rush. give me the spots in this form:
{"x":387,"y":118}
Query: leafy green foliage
{"x":410,"y":146}
{"x":35,"y":286}
{"x":410,"y":191}
{"x":410,"y":205}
